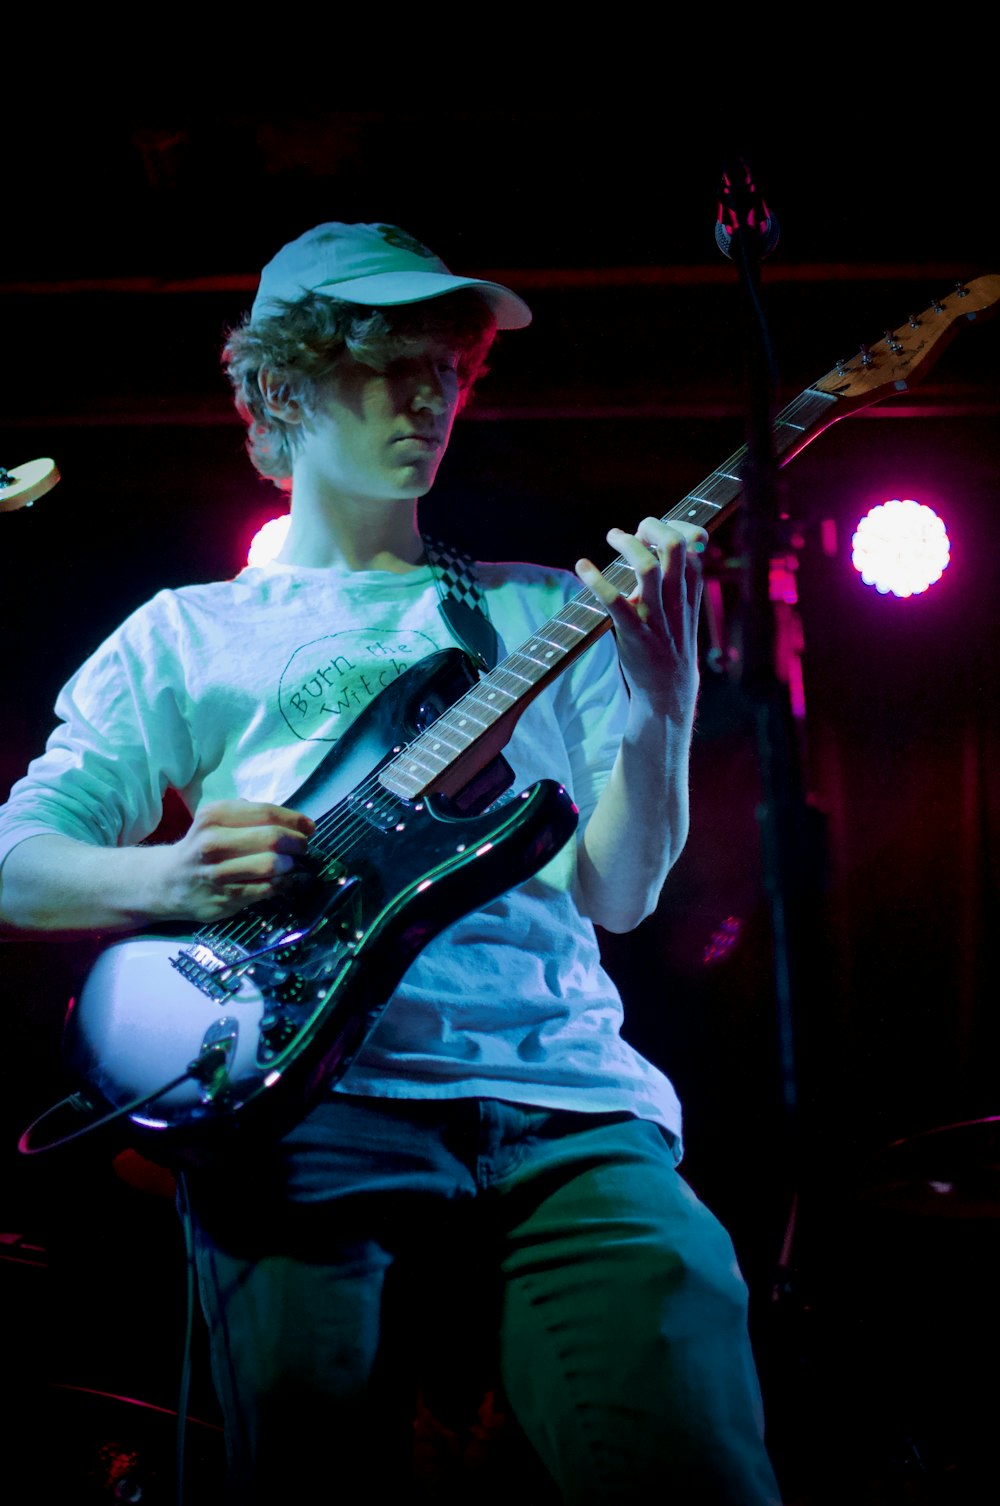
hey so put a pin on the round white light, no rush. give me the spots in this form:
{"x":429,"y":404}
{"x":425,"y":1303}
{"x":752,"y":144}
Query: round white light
{"x":267,"y":541}
{"x":900,"y":547}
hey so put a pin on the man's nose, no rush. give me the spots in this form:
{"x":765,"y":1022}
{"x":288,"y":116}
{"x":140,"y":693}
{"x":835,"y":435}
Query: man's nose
{"x":429,"y":392}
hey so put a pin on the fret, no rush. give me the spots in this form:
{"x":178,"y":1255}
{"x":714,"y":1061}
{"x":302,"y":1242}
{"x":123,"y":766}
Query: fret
{"x":485,"y":719}
{"x":801,"y":417}
{"x":513,"y":689}
{"x":486,"y":691}
{"x":432,"y":755}
{"x":432,"y":745}
{"x":547,"y":647}
{"x":456,"y":723}
{"x":424,"y":758}
{"x":444,"y":731}
{"x":408,"y":777}
{"x":586,"y":601}
{"x":573,"y":627}
{"x":551,"y":652}
{"x":525,"y":655}
{"x":529,"y":679}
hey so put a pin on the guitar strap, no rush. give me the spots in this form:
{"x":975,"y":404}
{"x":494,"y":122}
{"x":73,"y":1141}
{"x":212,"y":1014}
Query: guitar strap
{"x":462,"y":600}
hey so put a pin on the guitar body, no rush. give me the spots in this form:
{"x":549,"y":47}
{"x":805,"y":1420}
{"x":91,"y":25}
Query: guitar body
{"x":275,"y":1003}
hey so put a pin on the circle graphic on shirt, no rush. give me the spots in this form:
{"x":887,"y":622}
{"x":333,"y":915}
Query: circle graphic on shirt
{"x":329,"y":681}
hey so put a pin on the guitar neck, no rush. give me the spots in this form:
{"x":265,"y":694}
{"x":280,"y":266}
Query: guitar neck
{"x":479,"y":724}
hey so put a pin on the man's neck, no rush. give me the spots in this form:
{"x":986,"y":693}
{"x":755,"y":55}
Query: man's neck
{"x":365,"y":536}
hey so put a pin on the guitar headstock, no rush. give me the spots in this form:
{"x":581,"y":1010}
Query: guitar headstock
{"x":25,"y":483}
{"x":904,"y":356}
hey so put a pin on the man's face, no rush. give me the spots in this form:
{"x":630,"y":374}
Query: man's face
{"x":381,"y":435}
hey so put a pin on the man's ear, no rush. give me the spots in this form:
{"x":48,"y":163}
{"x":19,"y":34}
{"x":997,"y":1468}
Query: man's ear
{"x":279,"y":395}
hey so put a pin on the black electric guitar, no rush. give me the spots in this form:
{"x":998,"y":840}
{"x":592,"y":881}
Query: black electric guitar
{"x":194,"y":1042}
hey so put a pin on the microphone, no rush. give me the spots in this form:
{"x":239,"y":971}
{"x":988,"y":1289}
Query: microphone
{"x":742,"y":209}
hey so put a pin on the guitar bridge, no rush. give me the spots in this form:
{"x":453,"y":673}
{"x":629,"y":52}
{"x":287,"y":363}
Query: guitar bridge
{"x":200,"y":965}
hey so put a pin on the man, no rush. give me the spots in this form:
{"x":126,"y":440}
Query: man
{"x":495,"y":1135}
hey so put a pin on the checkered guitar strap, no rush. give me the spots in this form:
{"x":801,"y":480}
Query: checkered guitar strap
{"x":461,"y":600}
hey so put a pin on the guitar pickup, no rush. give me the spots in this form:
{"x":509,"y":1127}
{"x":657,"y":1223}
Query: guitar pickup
{"x":384,"y":811}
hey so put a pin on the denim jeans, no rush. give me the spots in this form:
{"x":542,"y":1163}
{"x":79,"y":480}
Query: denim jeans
{"x":387,"y":1245}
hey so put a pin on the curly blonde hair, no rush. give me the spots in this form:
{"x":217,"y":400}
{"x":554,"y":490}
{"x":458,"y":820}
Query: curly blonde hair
{"x":303,"y":341}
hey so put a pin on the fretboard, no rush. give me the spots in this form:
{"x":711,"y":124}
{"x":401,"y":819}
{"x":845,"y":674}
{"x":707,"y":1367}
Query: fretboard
{"x":481,"y":721}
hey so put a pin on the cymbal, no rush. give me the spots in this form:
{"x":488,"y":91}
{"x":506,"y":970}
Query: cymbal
{"x":951,"y":1171}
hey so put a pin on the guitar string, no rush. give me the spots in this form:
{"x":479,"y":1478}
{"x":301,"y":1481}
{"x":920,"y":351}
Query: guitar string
{"x":344,"y":826}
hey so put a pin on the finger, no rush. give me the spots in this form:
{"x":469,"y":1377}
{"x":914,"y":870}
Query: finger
{"x":658,"y":535}
{"x":646,"y":565}
{"x":236,"y":813}
{"x":283,"y":815}
{"x":253,"y":860}
{"x":216,"y":845}
{"x":635,"y":550}
{"x":261,"y":869}
{"x":678,"y":547}
{"x":592,"y":578}
{"x":624,"y":612}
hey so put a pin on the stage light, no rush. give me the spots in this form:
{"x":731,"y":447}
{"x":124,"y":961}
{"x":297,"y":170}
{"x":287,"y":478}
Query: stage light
{"x":900,"y":547}
{"x":267,"y":541}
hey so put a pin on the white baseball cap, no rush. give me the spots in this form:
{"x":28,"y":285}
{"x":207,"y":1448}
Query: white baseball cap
{"x":377,"y":265}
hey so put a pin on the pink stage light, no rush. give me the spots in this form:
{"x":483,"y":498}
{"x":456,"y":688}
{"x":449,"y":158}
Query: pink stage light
{"x":267,"y":541}
{"x":900,"y":547}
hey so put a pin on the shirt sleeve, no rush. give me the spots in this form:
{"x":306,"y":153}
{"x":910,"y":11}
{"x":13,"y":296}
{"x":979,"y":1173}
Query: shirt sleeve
{"x":123,"y":737}
{"x":592,"y":707}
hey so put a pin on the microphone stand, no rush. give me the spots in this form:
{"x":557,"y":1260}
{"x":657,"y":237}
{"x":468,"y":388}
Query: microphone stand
{"x":791,"y":845}
{"x":746,"y":233}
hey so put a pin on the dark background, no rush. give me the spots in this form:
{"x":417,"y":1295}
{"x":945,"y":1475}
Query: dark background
{"x":137,"y":235}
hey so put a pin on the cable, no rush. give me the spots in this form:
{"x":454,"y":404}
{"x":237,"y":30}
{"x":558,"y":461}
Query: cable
{"x":184,"y":1209}
{"x":203,"y":1066}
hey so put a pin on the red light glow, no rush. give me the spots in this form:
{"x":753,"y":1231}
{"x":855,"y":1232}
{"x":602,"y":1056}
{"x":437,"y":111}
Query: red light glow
{"x":722,"y":940}
{"x":900,"y":547}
